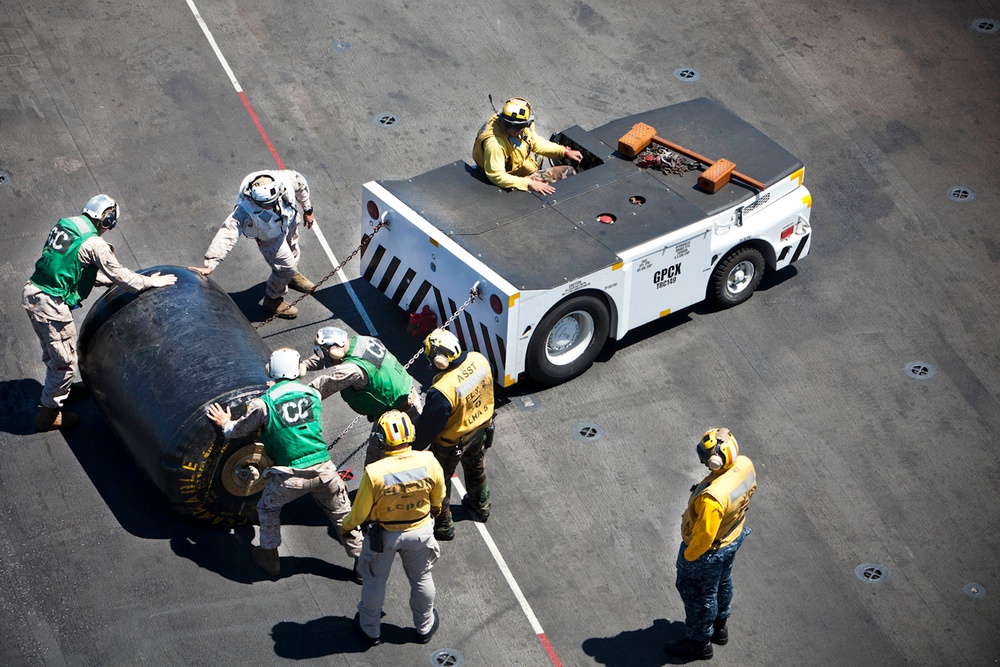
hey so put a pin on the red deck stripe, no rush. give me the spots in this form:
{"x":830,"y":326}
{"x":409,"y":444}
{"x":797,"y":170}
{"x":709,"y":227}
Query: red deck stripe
{"x":260,"y":128}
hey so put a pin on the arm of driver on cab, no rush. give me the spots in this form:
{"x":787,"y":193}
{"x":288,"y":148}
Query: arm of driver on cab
{"x":546,"y":148}
{"x":706,"y":527}
{"x":495,"y":167}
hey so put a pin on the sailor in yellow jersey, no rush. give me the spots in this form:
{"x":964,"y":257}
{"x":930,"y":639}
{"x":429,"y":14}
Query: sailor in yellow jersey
{"x":713,"y":528}
{"x":457,"y":423}
{"x":507,"y":147}
{"x":397,"y":497}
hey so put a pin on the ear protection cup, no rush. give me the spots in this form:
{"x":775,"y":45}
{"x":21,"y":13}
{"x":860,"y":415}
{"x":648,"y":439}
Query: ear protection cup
{"x":717,"y":448}
{"x":336,"y":353}
{"x":440,"y":361}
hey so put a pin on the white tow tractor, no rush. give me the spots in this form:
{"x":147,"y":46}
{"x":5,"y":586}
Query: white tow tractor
{"x":624,"y":242}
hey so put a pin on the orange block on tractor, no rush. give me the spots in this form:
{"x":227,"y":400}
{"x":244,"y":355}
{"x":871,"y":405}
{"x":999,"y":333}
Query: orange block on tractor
{"x":716,"y":176}
{"x":641,"y":135}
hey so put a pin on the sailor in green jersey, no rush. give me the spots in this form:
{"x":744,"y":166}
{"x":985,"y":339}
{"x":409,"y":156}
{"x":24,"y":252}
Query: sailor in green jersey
{"x":288,"y":416}
{"x":74,"y":259}
{"x":368,"y":376}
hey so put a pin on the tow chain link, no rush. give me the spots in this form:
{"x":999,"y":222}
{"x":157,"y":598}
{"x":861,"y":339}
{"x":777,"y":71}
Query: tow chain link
{"x":365,"y":240}
{"x":665,"y":160}
{"x":474,"y":294}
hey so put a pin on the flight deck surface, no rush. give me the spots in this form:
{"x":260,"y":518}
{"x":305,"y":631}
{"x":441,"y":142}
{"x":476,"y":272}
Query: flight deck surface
{"x":862,"y":382}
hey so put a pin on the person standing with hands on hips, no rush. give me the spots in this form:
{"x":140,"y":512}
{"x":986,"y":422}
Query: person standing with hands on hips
{"x":713,"y":528}
{"x":457,"y":423}
{"x":397,"y":497}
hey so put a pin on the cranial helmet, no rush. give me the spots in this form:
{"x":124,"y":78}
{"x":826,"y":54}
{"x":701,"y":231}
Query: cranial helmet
{"x":516,"y":113}
{"x":103,"y":210}
{"x":263,"y":189}
{"x":331,"y":342}
{"x":284,"y":364}
{"x":396,"y":428}
{"x":718,"y":448}
{"x":441,"y":347}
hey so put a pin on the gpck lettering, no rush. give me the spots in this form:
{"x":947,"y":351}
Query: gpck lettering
{"x":667,"y":276}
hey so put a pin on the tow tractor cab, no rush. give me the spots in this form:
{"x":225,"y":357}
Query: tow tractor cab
{"x":615,"y":247}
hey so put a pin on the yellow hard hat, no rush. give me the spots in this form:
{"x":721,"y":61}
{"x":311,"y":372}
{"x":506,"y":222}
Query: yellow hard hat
{"x":396,"y":428}
{"x":441,"y":347}
{"x":517,"y":113}
{"x":718,"y":448}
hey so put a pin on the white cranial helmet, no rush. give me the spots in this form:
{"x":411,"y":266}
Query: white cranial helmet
{"x":284,"y":364}
{"x":263,"y":189}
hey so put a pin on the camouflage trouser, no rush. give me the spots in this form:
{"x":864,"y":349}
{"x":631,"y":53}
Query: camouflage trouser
{"x":282,"y":255}
{"x":706,"y":587}
{"x":58,"y":340}
{"x":472,"y":456}
{"x":553,"y":174}
{"x":286,"y":484}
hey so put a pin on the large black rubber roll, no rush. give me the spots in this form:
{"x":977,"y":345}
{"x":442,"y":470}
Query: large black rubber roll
{"x":153,"y":362}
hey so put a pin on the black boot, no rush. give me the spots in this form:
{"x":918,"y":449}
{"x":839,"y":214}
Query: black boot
{"x":690,"y":649}
{"x":720,"y":635}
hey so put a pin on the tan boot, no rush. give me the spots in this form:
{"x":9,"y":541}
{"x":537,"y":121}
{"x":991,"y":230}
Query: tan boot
{"x":302,"y":284}
{"x":280,"y":308}
{"x":268,"y":561}
{"x":51,"y":419}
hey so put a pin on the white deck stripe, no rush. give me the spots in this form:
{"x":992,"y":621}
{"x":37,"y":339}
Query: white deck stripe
{"x":215,"y":47}
{"x":502,"y":564}
{"x":343,"y":279}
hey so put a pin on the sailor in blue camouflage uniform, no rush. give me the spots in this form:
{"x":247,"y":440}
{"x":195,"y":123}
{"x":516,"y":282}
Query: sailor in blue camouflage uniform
{"x":713,"y":528}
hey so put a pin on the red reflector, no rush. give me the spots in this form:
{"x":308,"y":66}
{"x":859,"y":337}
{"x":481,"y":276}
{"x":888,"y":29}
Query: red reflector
{"x":373,"y":210}
{"x":496,"y":304}
{"x":787,"y":231}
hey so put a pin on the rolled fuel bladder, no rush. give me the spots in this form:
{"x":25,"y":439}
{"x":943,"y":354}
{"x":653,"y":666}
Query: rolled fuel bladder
{"x":154,"y":361}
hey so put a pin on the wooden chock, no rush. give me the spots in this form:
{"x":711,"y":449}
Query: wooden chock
{"x":713,"y":178}
{"x":635,"y":140}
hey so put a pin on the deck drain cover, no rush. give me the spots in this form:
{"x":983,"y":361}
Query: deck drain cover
{"x":988,"y":26}
{"x":529,"y":402}
{"x":974,"y":590}
{"x":962,"y":194}
{"x":386,"y":119}
{"x":587,"y":432}
{"x":341,"y":46}
{"x":870,"y":573}
{"x":919,"y":370}
{"x":447,"y":657}
{"x":688,"y":74}
{"x":4,"y":177}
